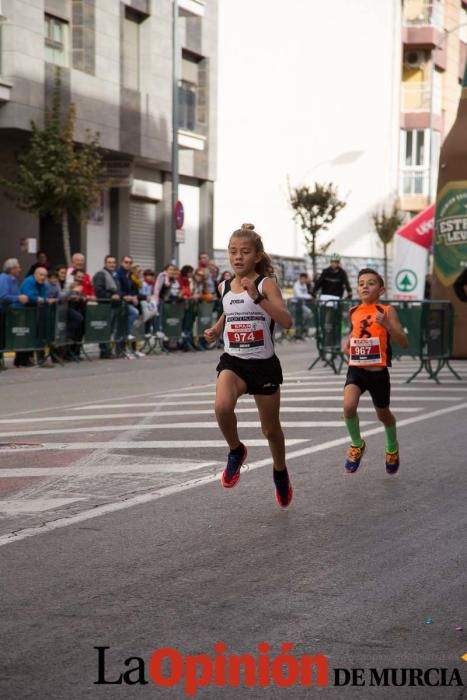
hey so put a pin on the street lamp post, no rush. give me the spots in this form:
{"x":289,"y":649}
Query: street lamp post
{"x":175,"y":108}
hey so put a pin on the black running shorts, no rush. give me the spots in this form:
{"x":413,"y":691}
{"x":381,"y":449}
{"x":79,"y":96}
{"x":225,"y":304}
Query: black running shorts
{"x":260,"y":376}
{"x":377,"y":384}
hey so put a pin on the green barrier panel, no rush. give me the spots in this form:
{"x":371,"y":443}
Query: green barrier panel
{"x":206,"y":311}
{"x":437,"y":330}
{"x":172,"y":318}
{"x":410,"y":316}
{"x":21,"y":329}
{"x":97,"y":323}
{"x":189,"y":317}
{"x":120,"y":324}
{"x":60,"y":336}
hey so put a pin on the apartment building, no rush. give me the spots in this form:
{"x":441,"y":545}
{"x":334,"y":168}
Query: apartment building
{"x":116,"y":66}
{"x":434,"y":46}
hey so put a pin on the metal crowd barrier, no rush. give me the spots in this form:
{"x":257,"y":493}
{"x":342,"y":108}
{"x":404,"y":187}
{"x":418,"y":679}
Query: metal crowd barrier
{"x":428,"y":325}
{"x":42,"y":329}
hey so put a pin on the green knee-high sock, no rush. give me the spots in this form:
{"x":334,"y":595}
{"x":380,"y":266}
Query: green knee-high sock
{"x":391,"y":438}
{"x":353,"y":428}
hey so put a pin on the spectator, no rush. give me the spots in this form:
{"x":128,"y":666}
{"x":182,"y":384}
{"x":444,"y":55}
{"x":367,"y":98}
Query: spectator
{"x":34,"y":287}
{"x":332,"y":281}
{"x":203,"y":261}
{"x":226,"y":275}
{"x":77,"y":301}
{"x":78,"y":262}
{"x":107,"y":288}
{"x":213,"y":279}
{"x":301,"y":294}
{"x":41,"y":261}
{"x":149,"y":279}
{"x":10,"y":295}
{"x":301,"y":289}
{"x":127,"y":290}
{"x":184,"y":280}
{"x":199,"y":285}
{"x":166,"y":287}
{"x":61,"y":274}
{"x":53,"y":288}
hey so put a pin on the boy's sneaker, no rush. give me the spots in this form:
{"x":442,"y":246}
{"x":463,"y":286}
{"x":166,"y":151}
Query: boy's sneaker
{"x":392,"y":462}
{"x":284,"y":490}
{"x":354,"y":457}
{"x":231,"y":474}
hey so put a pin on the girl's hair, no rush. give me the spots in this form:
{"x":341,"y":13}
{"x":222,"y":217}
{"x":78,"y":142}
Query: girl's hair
{"x":186,"y":269}
{"x":264,"y":267}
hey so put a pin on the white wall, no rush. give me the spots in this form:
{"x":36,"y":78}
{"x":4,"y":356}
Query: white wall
{"x":307,"y":90}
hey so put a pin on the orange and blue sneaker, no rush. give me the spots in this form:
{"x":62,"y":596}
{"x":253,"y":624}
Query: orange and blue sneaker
{"x":354,"y":457}
{"x":392,"y":462}
{"x":284,"y":490}
{"x":231,"y":474}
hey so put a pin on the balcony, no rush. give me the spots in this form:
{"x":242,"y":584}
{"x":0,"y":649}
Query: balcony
{"x":422,"y":23}
{"x":191,"y":8}
{"x":416,"y":97}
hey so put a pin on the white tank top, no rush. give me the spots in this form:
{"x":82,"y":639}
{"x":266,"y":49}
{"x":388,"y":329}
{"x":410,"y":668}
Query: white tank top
{"x":248,"y":329}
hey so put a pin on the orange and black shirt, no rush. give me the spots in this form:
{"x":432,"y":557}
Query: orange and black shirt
{"x":370,"y":344}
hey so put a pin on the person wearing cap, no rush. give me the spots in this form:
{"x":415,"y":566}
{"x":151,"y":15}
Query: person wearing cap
{"x":333,"y":281}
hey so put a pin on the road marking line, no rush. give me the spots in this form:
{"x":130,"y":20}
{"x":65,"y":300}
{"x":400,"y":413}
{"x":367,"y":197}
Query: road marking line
{"x":36,"y":505}
{"x":243,"y":399}
{"x":139,"y":445}
{"x":156,"y":426}
{"x":108,"y":508}
{"x":197,"y":412}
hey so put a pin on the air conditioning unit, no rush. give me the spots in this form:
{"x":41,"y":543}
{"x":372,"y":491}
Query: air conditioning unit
{"x":414,"y":59}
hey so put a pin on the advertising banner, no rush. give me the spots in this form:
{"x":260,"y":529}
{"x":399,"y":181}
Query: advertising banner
{"x":412,"y":246}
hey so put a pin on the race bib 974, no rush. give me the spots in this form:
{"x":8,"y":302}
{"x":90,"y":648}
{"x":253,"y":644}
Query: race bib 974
{"x":365,"y":351}
{"x":244,"y":335}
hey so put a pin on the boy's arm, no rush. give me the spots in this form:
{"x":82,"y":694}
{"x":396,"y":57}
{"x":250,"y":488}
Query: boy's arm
{"x":392,"y":324}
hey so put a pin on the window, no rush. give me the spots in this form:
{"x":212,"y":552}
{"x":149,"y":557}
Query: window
{"x":414,"y":162}
{"x":131,"y":49}
{"x":56,"y":41}
{"x":187,"y":94}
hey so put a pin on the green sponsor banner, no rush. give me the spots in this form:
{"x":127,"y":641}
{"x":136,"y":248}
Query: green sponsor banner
{"x":450,"y":250}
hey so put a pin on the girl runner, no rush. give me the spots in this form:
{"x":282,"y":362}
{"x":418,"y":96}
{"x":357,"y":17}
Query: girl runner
{"x":252,"y":302}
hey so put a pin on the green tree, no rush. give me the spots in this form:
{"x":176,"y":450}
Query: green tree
{"x":386,"y":225}
{"x":55,"y":176}
{"x":315,"y":210}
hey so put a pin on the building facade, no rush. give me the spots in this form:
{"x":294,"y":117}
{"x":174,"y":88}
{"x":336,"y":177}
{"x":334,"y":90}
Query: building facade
{"x":434,"y":48}
{"x":115,"y":60}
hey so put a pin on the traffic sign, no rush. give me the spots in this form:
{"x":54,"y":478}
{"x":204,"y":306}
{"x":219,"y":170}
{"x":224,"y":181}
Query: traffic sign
{"x":179,"y":214}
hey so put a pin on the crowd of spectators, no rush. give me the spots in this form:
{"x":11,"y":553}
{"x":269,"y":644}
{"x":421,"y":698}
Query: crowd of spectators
{"x":142,"y":290}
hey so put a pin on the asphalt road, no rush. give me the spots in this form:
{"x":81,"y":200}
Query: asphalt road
{"x":131,"y":543}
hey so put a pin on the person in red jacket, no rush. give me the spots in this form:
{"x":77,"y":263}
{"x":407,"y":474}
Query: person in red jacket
{"x":184,"y":280}
{"x":78,"y":262}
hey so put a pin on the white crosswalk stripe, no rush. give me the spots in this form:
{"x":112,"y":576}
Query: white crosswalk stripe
{"x":121,"y":424}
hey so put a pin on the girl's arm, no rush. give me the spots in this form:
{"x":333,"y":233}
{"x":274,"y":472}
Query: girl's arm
{"x":272,"y":303}
{"x":214,"y":332}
